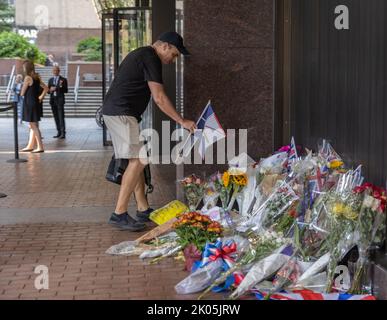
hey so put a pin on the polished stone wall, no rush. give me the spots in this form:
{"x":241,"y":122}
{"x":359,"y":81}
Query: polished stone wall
{"x":232,"y":63}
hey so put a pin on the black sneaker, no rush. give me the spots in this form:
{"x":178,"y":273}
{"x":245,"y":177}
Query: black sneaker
{"x":143,"y":216}
{"x":126,"y":222}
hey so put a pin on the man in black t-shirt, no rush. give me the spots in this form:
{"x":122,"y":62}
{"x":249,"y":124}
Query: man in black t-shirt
{"x":137,"y":79}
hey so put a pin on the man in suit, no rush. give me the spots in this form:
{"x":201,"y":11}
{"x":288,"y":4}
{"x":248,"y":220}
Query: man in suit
{"x":58,"y":87}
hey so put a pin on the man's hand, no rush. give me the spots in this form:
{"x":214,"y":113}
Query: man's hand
{"x":52,"y":89}
{"x":189,"y":125}
{"x":167,"y":107}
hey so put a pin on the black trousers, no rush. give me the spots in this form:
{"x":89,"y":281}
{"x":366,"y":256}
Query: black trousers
{"x":57,"y":107}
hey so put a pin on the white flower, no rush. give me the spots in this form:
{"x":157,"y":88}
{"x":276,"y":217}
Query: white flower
{"x":376,"y":204}
{"x":368,"y":201}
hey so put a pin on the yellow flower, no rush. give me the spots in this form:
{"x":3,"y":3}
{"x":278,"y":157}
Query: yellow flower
{"x":350,"y":214}
{"x":226,"y":179}
{"x":335,"y":164}
{"x":338,"y":209}
{"x":240,"y":180}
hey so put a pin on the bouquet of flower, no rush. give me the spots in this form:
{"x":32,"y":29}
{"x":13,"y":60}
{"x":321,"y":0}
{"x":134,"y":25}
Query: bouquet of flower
{"x":193,"y":190}
{"x":211,"y":195}
{"x":371,"y":219}
{"x":260,"y":247}
{"x":238,"y":181}
{"x":264,"y":267}
{"x":274,"y":213}
{"x":343,"y":210}
{"x":194,"y":231}
{"x":217,"y":258}
{"x":223,"y":187}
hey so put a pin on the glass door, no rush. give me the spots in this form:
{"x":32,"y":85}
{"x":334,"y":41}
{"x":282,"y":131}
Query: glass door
{"x":124,"y":30}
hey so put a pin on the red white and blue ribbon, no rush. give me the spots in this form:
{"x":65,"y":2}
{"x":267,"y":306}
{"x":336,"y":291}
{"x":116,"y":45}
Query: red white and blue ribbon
{"x":227,"y":252}
{"x":310,"y":295}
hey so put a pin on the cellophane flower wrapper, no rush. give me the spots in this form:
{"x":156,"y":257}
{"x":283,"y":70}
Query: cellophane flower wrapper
{"x":126,"y":248}
{"x":238,"y":183}
{"x":200,"y":279}
{"x":327,"y":153}
{"x":193,"y":187}
{"x":295,"y":267}
{"x":262,"y":192}
{"x":221,"y":188}
{"x":343,"y":208}
{"x":257,"y":248}
{"x":171,"y":252}
{"x":203,"y":277}
{"x":160,"y":246}
{"x":275,"y":164}
{"x":159,"y":252}
{"x":247,"y":198}
{"x":261,"y":270}
{"x":371,"y":218}
{"x":316,"y":283}
{"x":314,"y":269}
{"x":272,"y":213}
{"x":287,"y":275}
{"x":211,"y":196}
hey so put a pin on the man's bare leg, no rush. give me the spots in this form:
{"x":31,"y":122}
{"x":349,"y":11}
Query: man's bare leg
{"x":139,"y":193}
{"x":129,"y":182}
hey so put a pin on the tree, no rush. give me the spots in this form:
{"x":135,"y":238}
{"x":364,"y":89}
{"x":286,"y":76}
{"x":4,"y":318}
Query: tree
{"x":7,"y":16}
{"x":92,"y":47}
{"x":13,"y":45}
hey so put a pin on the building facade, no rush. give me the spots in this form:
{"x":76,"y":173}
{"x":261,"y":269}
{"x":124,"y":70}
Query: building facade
{"x":57,"y":26}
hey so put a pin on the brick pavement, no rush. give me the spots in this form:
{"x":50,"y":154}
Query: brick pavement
{"x":78,"y":266}
{"x":55,"y":215}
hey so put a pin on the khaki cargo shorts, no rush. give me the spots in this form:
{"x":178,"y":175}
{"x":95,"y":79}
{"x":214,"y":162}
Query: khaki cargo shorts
{"x":125,"y":134}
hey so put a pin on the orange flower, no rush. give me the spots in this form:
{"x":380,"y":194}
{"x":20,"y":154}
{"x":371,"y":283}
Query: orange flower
{"x":214,"y":230}
{"x":226,"y":179}
{"x":206,"y":219}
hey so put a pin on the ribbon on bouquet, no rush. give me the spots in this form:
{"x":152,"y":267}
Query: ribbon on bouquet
{"x":226,"y":252}
{"x":309,"y":295}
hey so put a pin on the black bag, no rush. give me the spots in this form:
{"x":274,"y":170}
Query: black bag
{"x":117,"y":169}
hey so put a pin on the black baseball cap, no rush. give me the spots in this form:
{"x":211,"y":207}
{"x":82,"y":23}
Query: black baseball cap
{"x":175,"y":39}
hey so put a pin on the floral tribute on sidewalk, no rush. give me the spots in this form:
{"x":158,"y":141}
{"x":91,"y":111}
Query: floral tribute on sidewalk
{"x":284,"y":228}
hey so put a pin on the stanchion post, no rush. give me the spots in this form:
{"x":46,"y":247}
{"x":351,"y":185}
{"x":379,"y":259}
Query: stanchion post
{"x":16,"y":137}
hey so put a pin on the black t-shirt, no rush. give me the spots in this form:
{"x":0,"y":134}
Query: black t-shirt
{"x":129,"y":94}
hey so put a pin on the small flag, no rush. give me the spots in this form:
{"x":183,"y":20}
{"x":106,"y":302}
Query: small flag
{"x":292,"y":154}
{"x":293,"y":151}
{"x":209,"y":131}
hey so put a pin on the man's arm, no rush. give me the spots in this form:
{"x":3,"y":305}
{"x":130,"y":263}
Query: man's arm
{"x":51,"y":85}
{"x":166,"y":106}
{"x":65,"y":86}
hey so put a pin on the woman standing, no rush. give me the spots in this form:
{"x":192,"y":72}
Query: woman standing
{"x":31,"y":107}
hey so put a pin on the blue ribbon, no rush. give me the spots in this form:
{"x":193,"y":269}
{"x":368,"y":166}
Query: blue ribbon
{"x":215,"y":251}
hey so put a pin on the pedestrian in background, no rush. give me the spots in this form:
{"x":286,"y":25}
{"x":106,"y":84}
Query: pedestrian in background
{"x":58,"y":87}
{"x":31,"y":106}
